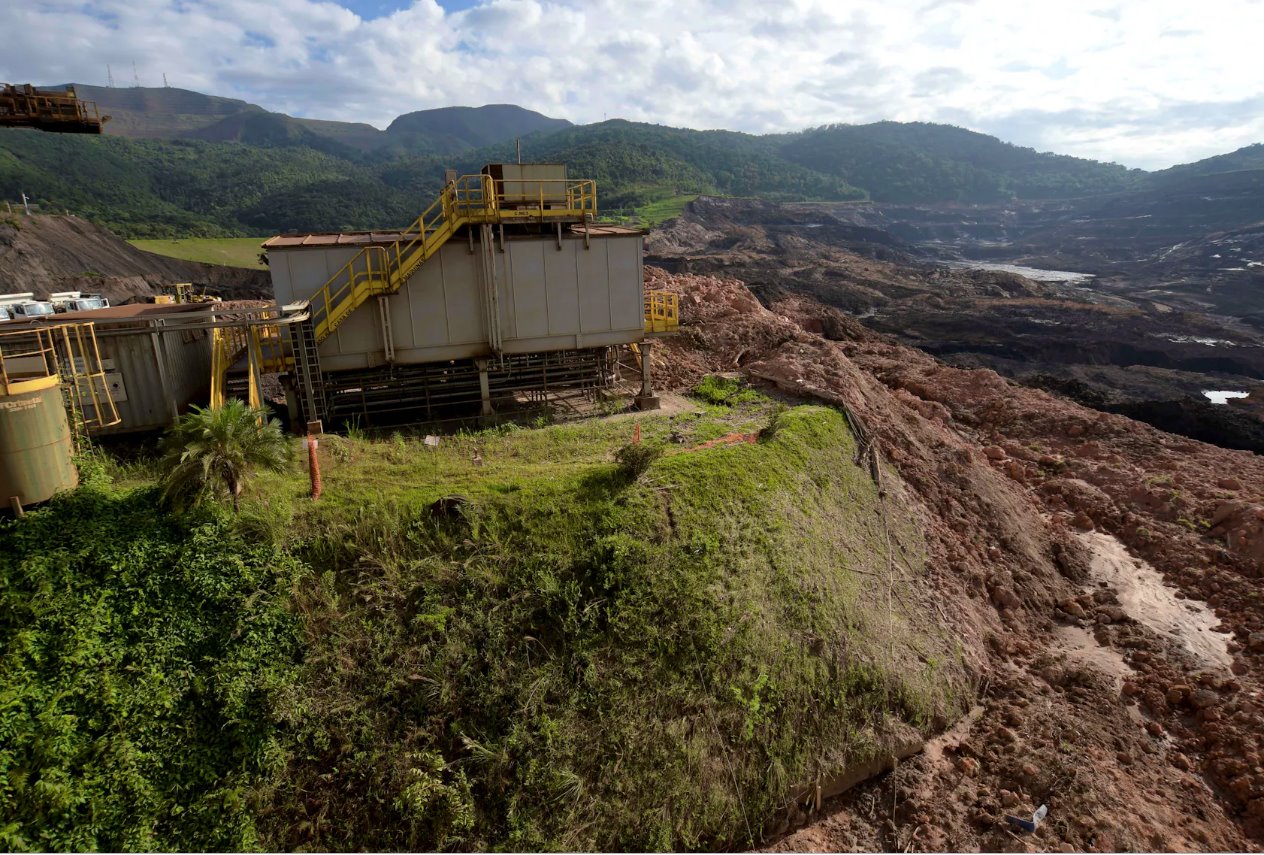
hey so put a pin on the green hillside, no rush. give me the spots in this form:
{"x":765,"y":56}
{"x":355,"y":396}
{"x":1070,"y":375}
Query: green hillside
{"x":921,"y":162}
{"x":1248,"y":157}
{"x":574,"y":659}
{"x":452,"y":130}
{"x":175,"y":188}
{"x":233,"y":168}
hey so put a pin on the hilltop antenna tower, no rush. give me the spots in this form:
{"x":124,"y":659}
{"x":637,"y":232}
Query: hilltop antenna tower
{"x":165,"y":84}
{"x":109,"y":76}
{"x":135,"y":76}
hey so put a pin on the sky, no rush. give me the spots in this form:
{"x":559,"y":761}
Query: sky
{"x":1146,"y":83}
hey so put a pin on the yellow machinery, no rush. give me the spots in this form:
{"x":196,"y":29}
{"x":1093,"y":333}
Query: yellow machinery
{"x":182,"y":292}
{"x":48,"y":110}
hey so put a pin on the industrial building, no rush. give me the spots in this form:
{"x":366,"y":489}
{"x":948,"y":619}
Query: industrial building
{"x":505,"y":287}
{"x":156,"y":361}
{"x":506,"y":291}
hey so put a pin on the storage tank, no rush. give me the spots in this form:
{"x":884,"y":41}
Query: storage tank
{"x":36,"y":452}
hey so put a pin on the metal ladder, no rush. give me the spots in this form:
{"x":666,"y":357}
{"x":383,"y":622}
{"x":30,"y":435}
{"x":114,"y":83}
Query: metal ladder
{"x":306,"y":351}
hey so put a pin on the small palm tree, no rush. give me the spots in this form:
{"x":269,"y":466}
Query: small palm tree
{"x":212,"y":452}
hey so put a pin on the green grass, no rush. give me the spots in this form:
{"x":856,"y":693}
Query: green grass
{"x":232,"y":252}
{"x":569,"y":658}
{"x":656,"y":213}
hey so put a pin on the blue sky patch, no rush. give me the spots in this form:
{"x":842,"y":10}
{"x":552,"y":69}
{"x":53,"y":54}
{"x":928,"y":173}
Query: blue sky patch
{"x":370,"y":9}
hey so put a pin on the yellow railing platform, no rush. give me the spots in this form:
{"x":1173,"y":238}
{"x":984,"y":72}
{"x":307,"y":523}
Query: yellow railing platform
{"x":662,"y":311}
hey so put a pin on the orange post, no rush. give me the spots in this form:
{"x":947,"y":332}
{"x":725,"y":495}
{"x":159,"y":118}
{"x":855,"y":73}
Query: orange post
{"x":636,"y":434}
{"x":313,"y":465}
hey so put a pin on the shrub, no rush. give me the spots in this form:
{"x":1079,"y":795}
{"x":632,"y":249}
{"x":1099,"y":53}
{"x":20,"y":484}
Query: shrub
{"x":725,"y":391}
{"x":637,"y":457}
{"x":211,"y":453}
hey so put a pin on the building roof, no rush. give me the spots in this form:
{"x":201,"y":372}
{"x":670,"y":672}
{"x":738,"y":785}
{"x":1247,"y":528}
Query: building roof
{"x":115,"y":314}
{"x":327,"y":239}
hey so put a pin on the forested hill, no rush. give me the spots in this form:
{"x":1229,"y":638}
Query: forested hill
{"x":921,"y":162}
{"x":181,"y":163}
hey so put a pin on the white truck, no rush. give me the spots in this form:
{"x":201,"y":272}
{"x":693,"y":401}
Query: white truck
{"x":22,"y":306}
{"x":77,"y":301}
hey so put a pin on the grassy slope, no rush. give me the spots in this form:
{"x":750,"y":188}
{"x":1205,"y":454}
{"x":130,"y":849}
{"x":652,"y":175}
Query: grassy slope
{"x":572,"y":659}
{"x":233,"y":252}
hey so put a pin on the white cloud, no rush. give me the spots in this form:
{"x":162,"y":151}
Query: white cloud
{"x":1143,"y":82}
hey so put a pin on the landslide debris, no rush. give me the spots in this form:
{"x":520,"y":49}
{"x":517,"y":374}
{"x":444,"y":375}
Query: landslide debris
{"x":1118,"y":346}
{"x":46,"y":253}
{"x":1130,"y":739}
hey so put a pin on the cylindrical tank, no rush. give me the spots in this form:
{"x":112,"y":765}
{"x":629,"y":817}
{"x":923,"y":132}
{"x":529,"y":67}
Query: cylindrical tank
{"x":36,"y":454}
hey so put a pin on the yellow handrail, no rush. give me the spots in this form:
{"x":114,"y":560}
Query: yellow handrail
{"x":66,"y":353}
{"x":662,"y":311}
{"x":470,"y":199}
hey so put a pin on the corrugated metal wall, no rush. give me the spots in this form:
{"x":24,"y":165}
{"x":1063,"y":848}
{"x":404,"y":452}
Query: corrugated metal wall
{"x":549,"y":299}
{"x":147,"y":395}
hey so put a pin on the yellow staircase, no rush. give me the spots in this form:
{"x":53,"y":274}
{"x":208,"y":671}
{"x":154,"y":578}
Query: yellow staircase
{"x":469,"y":200}
{"x":382,"y":269}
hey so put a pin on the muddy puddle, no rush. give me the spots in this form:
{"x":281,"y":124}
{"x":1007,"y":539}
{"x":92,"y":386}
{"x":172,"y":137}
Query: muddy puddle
{"x":1148,"y":600}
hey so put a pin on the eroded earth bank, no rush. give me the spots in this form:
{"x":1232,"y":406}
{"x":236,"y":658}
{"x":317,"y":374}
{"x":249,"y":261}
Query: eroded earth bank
{"x":1101,"y":577}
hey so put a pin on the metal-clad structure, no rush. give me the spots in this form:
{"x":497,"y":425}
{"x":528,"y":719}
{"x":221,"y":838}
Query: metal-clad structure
{"x":576,"y":289}
{"x":35,"y":445}
{"x":152,"y":375}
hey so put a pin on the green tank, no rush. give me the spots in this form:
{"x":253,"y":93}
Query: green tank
{"x":36,"y":452}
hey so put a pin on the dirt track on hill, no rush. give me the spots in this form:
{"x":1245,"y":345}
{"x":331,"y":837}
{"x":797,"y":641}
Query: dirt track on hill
{"x":43,"y":254}
{"x":1044,"y":520}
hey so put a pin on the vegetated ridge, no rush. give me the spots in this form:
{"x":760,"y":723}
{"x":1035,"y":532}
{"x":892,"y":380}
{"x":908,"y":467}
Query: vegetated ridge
{"x":568,"y":655}
{"x":176,"y":163}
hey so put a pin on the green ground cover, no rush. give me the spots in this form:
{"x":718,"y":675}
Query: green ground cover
{"x":565,"y":656}
{"x":233,"y":252}
{"x":663,"y":210}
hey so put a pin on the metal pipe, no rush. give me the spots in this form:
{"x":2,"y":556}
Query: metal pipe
{"x":313,"y":466}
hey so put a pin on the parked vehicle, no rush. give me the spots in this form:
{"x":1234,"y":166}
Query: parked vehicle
{"x":77,"y":301}
{"x":31,"y":309}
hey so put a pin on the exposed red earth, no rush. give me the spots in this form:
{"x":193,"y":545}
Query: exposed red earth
{"x":1103,"y":579}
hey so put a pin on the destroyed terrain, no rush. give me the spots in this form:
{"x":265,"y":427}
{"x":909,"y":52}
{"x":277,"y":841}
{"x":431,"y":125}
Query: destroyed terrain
{"x":1143,"y":338}
{"x":1103,"y":578}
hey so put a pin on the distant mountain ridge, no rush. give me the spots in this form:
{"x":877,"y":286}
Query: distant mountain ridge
{"x":170,"y":113}
{"x":175,"y":162}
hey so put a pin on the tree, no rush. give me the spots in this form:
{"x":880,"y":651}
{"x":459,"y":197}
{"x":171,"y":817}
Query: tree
{"x":212,"y":453}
